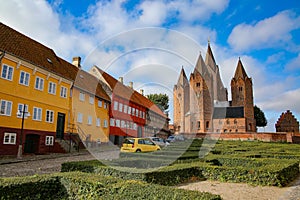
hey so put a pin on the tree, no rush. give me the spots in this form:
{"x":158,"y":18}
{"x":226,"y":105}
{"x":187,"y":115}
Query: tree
{"x":161,"y":100}
{"x":260,"y":118}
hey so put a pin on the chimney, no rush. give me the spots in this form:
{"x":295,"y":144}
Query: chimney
{"x":76,"y":61}
{"x":142,"y":92}
{"x":131,"y":84}
{"x":121,"y":79}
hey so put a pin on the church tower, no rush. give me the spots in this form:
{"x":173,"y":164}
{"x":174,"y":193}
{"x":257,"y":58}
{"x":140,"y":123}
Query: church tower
{"x":242,"y":95}
{"x":181,"y":98}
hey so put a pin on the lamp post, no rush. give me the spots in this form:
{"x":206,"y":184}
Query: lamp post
{"x":22,"y":113}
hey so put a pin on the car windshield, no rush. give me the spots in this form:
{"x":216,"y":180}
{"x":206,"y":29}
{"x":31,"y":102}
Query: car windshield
{"x":128,"y":141}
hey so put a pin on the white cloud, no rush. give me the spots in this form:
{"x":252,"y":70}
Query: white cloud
{"x":270,"y":32}
{"x":294,"y":64}
{"x":272,"y":59}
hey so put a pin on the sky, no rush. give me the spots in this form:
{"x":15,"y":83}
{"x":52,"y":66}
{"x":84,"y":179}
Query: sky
{"x":148,"y":42}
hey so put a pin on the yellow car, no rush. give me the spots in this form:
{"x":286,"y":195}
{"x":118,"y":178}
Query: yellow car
{"x":139,"y":145}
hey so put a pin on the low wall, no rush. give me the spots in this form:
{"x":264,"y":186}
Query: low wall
{"x":263,"y":136}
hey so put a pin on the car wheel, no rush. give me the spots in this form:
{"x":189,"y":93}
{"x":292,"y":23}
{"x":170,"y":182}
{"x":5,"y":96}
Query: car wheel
{"x":138,"y":150}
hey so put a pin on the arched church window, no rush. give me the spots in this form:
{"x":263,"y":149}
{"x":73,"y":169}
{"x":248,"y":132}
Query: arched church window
{"x":227,"y":121}
{"x":207,"y":124}
{"x":240,"y":89}
{"x":197,"y":84}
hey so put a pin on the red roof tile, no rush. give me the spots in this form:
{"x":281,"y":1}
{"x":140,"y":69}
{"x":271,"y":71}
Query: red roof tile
{"x":27,"y":49}
{"x":127,"y":93}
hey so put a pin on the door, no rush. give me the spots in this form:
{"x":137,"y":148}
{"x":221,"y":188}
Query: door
{"x":31,"y":143}
{"x":60,"y":126}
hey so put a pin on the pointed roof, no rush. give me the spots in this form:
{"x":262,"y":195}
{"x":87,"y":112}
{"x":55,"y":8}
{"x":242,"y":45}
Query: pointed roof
{"x":209,"y":58}
{"x":200,"y":66}
{"x":240,"y":71}
{"x":182,"y":80}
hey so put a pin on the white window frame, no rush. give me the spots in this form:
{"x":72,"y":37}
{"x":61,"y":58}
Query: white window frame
{"x":105,"y":124}
{"x":81,"y":96}
{"x":98,"y":122}
{"x":37,"y":114}
{"x":133,"y":111}
{"x":63,"y":92}
{"x":24,"y":78}
{"x":99,"y":103}
{"x":115,"y":105}
{"x":118,"y":123}
{"x":129,"y":110}
{"x":8,"y":75}
{"x":49,"y":116}
{"x":91,"y":99}
{"x":112,"y":122}
{"x":136,"y":112}
{"x":12,"y":138}
{"x":125,"y":108}
{"x":120,"y":107}
{"x":5,"y":107}
{"x":90,"y":120}
{"x":49,"y":140}
{"x":52,"y":88}
{"x":20,"y":109}
{"x":105,"y":105}
{"x":39,"y":83}
{"x":79,"y":117}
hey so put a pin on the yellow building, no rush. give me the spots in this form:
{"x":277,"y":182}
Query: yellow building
{"x":90,"y":108}
{"x":33,"y":79}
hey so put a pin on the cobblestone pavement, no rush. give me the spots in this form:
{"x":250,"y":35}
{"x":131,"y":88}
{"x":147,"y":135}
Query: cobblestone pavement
{"x":45,"y":164}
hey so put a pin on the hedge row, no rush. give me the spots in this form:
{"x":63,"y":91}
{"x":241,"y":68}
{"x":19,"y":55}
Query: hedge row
{"x":259,"y":172}
{"x":78,"y":185}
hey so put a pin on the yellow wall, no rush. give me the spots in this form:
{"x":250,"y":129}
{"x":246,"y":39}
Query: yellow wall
{"x":88,"y":109}
{"x":17,"y":93}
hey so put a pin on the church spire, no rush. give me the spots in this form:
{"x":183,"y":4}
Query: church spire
{"x":182,"y":80}
{"x":240,"y":71}
{"x":200,"y":66}
{"x":209,"y":58}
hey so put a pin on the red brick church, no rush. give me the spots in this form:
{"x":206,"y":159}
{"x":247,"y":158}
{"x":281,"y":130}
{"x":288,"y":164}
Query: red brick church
{"x":201,"y":102}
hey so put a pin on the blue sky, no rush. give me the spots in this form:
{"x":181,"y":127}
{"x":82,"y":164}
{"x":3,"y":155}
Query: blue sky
{"x":147,"y":42}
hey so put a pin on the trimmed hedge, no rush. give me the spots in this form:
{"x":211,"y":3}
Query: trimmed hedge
{"x":78,"y":185}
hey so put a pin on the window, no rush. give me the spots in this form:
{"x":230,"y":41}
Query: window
{"x":120,"y":107}
{"x":90,"y":120}
{"x":39,"y":83}
{"x":198,"y":125}
{"x":37,"y":114}
{"x":115,"y":105}
{"x":52,"y":88}
{"x":79,"y":117}
{"x":117,"y":123}
{"x":235,"y":121}
{"x":63,"y":92}
{"x":129,"y":110}
{"x":20,"y":110}
{"x":122,"y":124}
{"x":105,"y":123}
{"x":133,"y":111}
{"x":112,"y":122}
{"x":91,"y":100}
{"x":227,"y":121}
{"x":125,"y":108}
{"x":24,"y":78}
{"x":49,"y":141}
{"x":134,"y":126}
{"x":6,"y":108}
{"x":136,"y":112}
{"x":49,"y":116}
{"x":105,"y":105}
{"x":207,"y":124}
{"x":99,"y":103}
{"x":240,"y":88}
{"x":9,"y":138}
{"x":197,"y":84}
{"x":7,"y":72}
{"x":98,"y":122}
{"x":81,"y":96}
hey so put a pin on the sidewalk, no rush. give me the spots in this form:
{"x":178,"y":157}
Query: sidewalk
{"x":33,"y":157}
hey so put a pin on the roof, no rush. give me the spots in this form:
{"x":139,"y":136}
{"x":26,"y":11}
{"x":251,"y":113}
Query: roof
{"x":240,"y":71}
{"x":228,"y":112}
{"x":285,"y":118}
{"x":128,"y":93}
{"x":182,"y":80}
{"x":31,"y":51}
{"x":89,"y":83}
{"x":209,"y":59}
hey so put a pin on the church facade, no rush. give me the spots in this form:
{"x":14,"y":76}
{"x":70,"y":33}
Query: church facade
{"x":201,"y":102}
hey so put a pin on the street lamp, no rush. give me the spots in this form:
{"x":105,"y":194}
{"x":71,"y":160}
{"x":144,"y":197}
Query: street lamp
{"x":22,"y":113}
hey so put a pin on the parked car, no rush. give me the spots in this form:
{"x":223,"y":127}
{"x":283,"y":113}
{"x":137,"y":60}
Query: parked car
{"x":159,"y":141}
{"x":139,"y":145}
{"x":173,"y":138}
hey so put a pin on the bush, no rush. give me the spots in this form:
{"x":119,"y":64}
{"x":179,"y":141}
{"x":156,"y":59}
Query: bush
{"x":77,"y":185}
